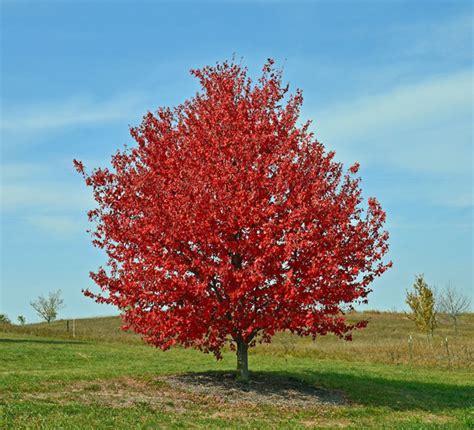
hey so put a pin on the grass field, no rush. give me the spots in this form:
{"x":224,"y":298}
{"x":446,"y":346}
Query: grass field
{"x":105,"y":378}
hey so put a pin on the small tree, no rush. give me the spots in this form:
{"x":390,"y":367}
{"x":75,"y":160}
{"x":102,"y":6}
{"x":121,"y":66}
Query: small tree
{"x":48,"y":307}
{"x":21,"y":320}
{"x":4,"y":319}
{"x":453,"y":303}
{"x":422,"y":304}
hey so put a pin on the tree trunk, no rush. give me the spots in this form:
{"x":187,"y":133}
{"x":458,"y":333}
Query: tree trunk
{"x":242,"y":360}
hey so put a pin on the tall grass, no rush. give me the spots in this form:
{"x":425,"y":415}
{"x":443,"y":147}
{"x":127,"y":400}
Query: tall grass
{"x":390,"y":338}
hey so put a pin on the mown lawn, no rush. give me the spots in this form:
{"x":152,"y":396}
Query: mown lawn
{"x":90,"y":383}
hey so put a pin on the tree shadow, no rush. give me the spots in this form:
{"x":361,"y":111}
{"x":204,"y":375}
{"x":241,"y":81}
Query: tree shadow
{"x":45,"y":341}
{"x":315,"y":387}
{"x":400,"y":395}
{"x":262,"y":388}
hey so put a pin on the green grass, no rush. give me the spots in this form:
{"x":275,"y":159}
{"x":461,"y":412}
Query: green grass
{"x":107,"y":379}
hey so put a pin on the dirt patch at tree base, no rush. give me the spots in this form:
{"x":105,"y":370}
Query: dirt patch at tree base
{"x":260,"y":389}
{"x":183,"y":391}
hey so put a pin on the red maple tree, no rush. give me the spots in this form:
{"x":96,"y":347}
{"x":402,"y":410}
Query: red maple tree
{"x":228,"y":222}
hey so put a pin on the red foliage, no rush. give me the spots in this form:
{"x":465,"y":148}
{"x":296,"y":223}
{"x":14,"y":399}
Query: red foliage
{"x":228,"y":221}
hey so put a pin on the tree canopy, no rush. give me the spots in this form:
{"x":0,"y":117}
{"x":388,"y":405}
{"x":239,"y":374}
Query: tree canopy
{"x":228,"y":221}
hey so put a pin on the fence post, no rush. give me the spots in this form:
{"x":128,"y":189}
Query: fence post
{"x":73,"y":327}
{"x":410,"y":348}
{"x":447,"y":350}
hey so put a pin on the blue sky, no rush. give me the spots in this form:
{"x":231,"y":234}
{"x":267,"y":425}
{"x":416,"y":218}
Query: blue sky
{"x":387,"y":83}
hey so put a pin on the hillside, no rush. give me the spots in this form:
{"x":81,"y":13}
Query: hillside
{"x":104,"y":378}
{"x":385,"y":340}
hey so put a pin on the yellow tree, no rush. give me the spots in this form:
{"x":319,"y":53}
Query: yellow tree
{"x":422,"y":304}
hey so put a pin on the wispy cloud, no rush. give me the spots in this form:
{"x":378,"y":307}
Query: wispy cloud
{"x":74,"y":112}
{"x":39,"y":195}
{"x":400,"y":108}
{"x":59,"y":225}
{"x":46,"y":195}
{"x":57,"y":209}
{"x":22,"y":170}
{"x":424,"y":126}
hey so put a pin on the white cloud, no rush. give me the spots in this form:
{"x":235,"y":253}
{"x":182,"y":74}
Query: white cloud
{"x":77,"y":111}
{"x":44,"y":196}
{"x":424,"y":127}
{"x":58,"y":209}
{"x":59,"y":225}
{"x":399,"y":108}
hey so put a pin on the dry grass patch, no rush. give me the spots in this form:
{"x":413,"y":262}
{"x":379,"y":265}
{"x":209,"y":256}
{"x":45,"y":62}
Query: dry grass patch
{"x":180,"y":393}
{"x":120,"y":393}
